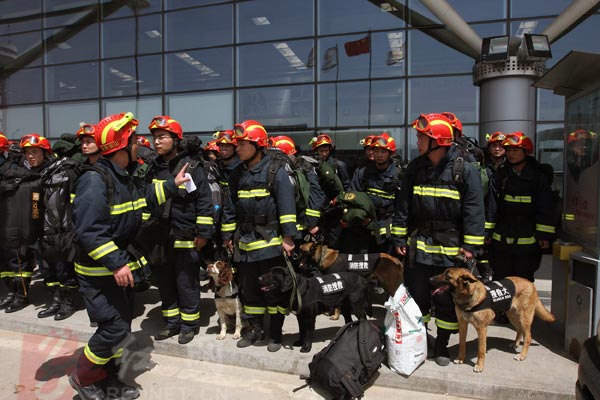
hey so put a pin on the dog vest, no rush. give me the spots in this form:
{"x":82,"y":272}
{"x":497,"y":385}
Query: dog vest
{"x":329,"y":291}
{"x":362,"y":264}
{"x":498,"y":297}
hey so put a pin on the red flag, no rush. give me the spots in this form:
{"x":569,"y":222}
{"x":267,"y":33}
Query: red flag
{"x":357,"y":47}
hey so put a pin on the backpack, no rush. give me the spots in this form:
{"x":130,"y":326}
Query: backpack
{"x":329,"y":180}
{"x":470,"y":152}
{"x":350,"y":362}
{"x":297,"y":176}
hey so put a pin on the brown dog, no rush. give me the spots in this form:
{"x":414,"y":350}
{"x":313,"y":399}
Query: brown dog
{"x":470,"y":300}
{"x":388,"y":270}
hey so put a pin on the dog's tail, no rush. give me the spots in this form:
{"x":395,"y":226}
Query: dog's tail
{"x":542,"y":313}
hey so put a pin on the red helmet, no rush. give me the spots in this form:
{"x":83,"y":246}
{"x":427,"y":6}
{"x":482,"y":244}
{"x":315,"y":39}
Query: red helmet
{"x":519,"y":140}
{"x":142,"y":141}
{"x":113,"y":132}
{"x":168,"y":124}
{"x":384,"y":141}
{"x":225,"y":137}
{"x":366,"y":142}
{"x":35,"y":140}
{"x":85,"y":130}
{"x":284,"y":143}
{"x":496,"y":137}
{"x":455,"y":122}
{"x":4,"y":143}
{"x":211,"y":146}
{"x":320,"y":141}
{"x":436,"y":126}
{"x":252,"y":131}
{"x":581,"y":134}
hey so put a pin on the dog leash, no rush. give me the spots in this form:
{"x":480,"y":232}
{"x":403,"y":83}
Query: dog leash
{"x":295,"y":290}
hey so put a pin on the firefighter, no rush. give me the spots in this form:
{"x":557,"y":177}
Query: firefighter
{"x":211,"y":151}
{"x":89,"y":148}
{"x":188,"y":222}
{"x":261,"y":223}
{"x":107,"y":212}
{"x":445,"y":213}
{"x":380,"y":179}
{"x":322,"y":146}
{"x":228,"y":159}
{"x":38,"y":156}
{"x":520,"y":211}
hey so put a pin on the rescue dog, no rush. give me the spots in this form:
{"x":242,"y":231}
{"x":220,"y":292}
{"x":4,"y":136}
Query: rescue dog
{"x":470,"y":295}
{"x":227,"y":301}
{"x":309,"y":297}
{"x":388,"y":270}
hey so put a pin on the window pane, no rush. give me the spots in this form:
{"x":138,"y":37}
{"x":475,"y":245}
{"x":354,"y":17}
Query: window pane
{"x":20,"y":15}
{"x":149,"y":32}
{"x":131,"y":76}
{"x":113,"y":9}
{"x":277,"y":106}
{"x":174,"y":4}
{"x":551,"y":107}
{"x":16,"y":46}
{"x":144,"y":109}
{"x":456,"y":94}
{"x":202,"y":27}
{"x":530,"y":8}
{"x":343,"y":104}
{"x":65,"y":117}
{"x":199,"y":69}
{"x":18,"y":121}
{"x":582,"y":38}
{"x":343,"y":16}
{"x":469,"y":10}
{"x":274,"y":19}
{"x":279,"y":62}
{"x":81,"y":44}
{"x":550,"y":146}
{"x":69,"y":12}
{"x":205,"y":112}
{"x":21,"y":86}
{"x":70,"y":82}
{"x":387,"y":102}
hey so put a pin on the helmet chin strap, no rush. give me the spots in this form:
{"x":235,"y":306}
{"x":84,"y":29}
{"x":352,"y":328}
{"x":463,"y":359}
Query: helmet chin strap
{"x":256,"y":152}
{"x":431,"y":149}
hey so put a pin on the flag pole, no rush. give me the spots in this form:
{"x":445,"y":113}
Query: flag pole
{"x":337,"y":77}
{"x":370,"y":63}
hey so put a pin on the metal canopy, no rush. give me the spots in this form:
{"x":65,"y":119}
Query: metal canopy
{"x":574,"y":72}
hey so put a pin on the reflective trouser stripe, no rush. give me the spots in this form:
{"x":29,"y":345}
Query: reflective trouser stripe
{"x":278,"y":310}
{"x":100,"y":360}
{"x":170,"y":313}
{"x":254,"y":310}
{"x":190,"y":317}
{"x":451,"y":326}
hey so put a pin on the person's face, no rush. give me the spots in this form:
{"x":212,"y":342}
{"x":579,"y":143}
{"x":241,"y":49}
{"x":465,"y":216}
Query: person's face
{"x":580,"y":148}
{"x":422,"y":142}
{"x":88,"y":145}
{"x":381,"y":156}
{"x":227,"y":150}
{"x":163,"y":141}
{"x":245,"y":150}
{"x":35,"y":156}
{"x":515,"y":155}
{"x":324,"y":152}
{"x":496,"y":150}
{"x":369,"y":153}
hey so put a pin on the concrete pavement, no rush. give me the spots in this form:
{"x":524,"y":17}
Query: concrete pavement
{"x":547,"y":373}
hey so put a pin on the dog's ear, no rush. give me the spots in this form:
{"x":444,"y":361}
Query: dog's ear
{"x":464,"y":283}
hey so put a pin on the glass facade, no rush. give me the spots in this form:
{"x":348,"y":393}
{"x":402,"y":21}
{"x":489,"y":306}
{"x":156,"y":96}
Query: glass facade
{"x":301,"y":67}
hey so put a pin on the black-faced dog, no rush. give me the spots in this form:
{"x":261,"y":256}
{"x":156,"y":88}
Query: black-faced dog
{"x":312,"y":296}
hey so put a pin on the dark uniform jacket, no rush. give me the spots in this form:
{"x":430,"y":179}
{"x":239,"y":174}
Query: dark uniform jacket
{"x":191,"y":214}
{"x":520,"y":211}
{"x":259,"y":216}
{"x":341,"y":169}
{"x":382,"y":187}
{"x":309,"y":218}
{"x":105,"y":230}
{"x":445,"y":215}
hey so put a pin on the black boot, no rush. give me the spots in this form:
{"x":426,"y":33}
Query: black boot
{"x":21,"y":300}
{"x":253,"y":333}
{"x":67,"y":306}
{"x":114,"y":387}
{"x":89,"y":392}
{"x":10,"y":296}
{"x":442,"y":356}
{"x":54,"y":305}
{"x":485,"y":270}
{"x":275,"y":326}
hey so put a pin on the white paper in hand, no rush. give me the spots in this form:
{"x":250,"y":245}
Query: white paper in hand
{"x":190,"y":186}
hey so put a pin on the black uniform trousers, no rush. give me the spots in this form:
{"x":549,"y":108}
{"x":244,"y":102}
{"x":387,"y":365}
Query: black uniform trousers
{"x":416,"y":279}
{"x":515,"y":260}
{"x":21,"y":266}
{"x":111,"y":306}
{"x":179,"y":289}
{"x":255,"y":301}
{"x":58,"y":273}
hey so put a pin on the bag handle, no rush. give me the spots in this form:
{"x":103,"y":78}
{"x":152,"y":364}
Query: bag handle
{"x":365,"y":355}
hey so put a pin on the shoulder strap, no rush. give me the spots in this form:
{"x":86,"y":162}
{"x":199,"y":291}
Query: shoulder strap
{"x":363,"y":343}
{"x":458,"y":170}
{"x":277,"y":162}
{"x":110,"y":184}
